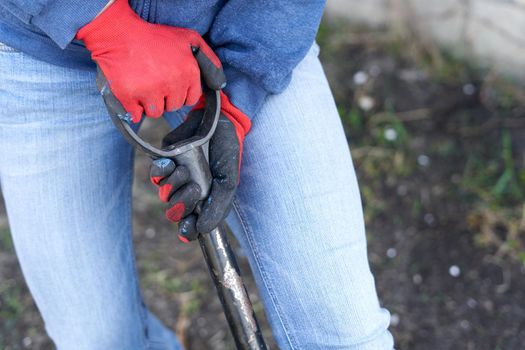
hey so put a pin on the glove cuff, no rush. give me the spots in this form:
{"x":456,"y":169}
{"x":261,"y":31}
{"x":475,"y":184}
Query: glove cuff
{"x":240,"y":120}
{"x":110,"y":25}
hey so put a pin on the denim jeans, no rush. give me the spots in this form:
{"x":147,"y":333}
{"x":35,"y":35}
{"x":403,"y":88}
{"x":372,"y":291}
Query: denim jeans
{"x":66,"y":177}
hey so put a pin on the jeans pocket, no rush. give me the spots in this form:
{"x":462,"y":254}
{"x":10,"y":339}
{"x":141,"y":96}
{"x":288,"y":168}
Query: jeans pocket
{"x":5,"y":48}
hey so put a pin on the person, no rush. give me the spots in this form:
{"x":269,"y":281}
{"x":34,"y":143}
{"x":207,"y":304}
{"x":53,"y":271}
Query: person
{"x":66,"y":172}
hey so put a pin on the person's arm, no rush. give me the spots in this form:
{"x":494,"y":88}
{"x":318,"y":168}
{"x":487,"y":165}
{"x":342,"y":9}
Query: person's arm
{"x":61,"y":19}
{"x":260,"y":43}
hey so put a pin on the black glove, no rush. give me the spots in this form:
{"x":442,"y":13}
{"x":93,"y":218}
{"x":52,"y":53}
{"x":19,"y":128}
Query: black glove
{"x":182,"y":194}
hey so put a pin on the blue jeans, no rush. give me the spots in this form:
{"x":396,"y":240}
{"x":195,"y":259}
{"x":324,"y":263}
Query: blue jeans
{"x":66,"y":176}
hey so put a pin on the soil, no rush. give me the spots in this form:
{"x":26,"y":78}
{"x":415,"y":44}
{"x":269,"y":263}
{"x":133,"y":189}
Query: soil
{"x":444,"y":289}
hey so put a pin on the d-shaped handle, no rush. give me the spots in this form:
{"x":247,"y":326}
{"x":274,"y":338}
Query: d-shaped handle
{"x":192,"y":152}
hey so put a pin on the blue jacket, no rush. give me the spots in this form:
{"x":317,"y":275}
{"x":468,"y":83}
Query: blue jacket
{"x":259,"y":42}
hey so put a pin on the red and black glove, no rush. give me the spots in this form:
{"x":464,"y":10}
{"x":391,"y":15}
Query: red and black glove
{"x":176,"y":186}
{"x":150,"y":67}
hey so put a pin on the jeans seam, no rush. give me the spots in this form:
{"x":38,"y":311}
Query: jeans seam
{"x":245,"y":226}
{"x":8,"y":49}
{"x":142,"y":312}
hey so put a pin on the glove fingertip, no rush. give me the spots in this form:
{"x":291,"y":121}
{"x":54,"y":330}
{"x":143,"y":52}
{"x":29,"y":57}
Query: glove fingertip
{"x":187,"y":230}
{"x":135,"y":114}
{"x":175,"y":212}
{"x":156,"y":179}
{"x":194,"y":94}
{"x":183,"y":239}
{"x":165,"y":165}
{"x":160,"y":168}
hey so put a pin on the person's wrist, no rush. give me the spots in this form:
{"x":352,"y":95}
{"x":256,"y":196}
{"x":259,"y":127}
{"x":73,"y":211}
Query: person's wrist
{"x":114,"y":21}
{"x":240,"y":120}
{"x":111,"y":27}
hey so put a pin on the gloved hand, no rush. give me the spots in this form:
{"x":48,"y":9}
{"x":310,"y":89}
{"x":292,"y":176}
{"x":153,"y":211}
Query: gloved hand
{"x":174,"y":182}
{"x":150,"y":67}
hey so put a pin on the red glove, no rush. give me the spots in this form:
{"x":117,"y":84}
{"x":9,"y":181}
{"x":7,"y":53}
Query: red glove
{"x":150,"y":67}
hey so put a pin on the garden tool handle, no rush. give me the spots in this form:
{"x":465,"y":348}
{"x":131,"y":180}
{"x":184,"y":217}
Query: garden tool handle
{"x":192,"y":152}
{"x":219,"y":256}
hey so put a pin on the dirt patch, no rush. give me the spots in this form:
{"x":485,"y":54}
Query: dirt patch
{"x":437,"y":147}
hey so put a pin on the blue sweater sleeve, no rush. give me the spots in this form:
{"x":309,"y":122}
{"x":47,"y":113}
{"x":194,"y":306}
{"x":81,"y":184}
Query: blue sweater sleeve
{"x":59,"y":19}
{"x":260,"y":43}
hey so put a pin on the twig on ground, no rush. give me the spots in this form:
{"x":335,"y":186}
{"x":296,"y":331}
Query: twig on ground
{"x":406,"y":116}
{"x":490,"y":125}
{"x":370,"y":151}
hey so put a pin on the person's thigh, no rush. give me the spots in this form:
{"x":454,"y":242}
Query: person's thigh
{"x":66,"y":176}
{"x":298,"y":216}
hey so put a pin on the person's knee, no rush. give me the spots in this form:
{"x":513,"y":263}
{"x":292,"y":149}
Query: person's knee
{"x":336,"y":338}
{"x":381,"y":340}
{"x":330,"y":327}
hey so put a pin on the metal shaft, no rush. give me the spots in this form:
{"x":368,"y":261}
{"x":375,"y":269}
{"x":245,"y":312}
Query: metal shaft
{"x":232,"y":292}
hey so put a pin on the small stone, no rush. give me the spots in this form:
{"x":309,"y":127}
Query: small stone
{"x":391,"y":253}
{"x":417,"y":279}
{"x":423,"y":160}
{"x":402,"y":190}
{"x":488,"y":305}
{"x":429,"y":219}
{"x":375,"y":70}
{"x":455,"y":179}
{"x":390,"y":134}
{"x":399,"y":235}
{"x":454,"y":271}
{"x":394,"y":320}
{"x":469,"y":89}
{"x":366,"y":103}
{"x":464,"y":324}
{"x":471,"y":303}
{"x":437,"y":190}
{"x":412,"y":75}
{"x":360,"y":78}
{"x":150,"y":232}
{"x":450,"y":304}
{"x":201,"y":321}
{"x":27,"y":342}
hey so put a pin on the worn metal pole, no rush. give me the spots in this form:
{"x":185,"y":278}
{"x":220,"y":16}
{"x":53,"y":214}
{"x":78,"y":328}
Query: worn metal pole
{"x":231,"y":290}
